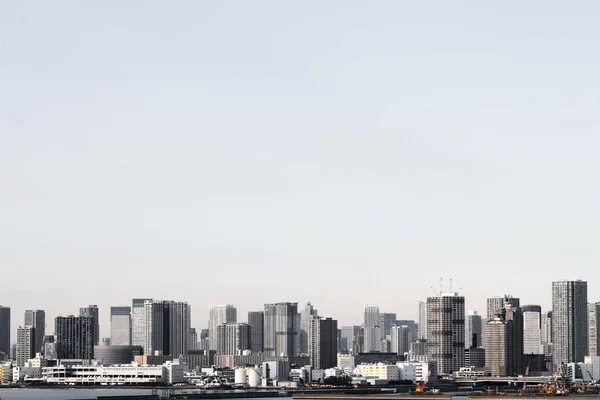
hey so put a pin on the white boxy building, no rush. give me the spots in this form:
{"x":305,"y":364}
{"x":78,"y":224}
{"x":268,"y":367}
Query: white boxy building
{"x":119,"y":374}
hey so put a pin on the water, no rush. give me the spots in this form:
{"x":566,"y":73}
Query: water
{"x":67,"y":394}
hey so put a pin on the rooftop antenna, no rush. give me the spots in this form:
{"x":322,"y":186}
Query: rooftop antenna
{"x":450,"y":290}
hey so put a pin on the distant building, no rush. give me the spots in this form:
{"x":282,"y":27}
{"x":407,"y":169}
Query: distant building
{"x":322,"y":342}
{"x":193,"y":340}
{"x":373,"y":332}
{"x":399,"y":339}
{"x":446,"y":331}
{"x":92,"y":311}
{"x":495,"y":304}
{"x":75,"y":337}
{"x":256,"y":319}
{"x":473,"y":326}
{"x":532,"y":329}
{"x":569,"y":322}
{"x":504,"y":343}
{"x":218,"y":315}
{"x":281,"y":329}
{"x":138,"y":322}
{"x":4,"y":331}
{"x":306,"y":315}
{"x":233,"y":338}
{"x":25,"y":344}
{"x":37,"y":319}
{"x":422,"y":332}
{"x":167,"y":327}
{"x":116,"y":354}
{"x":120,"y":326}
{"x":349,"y":336}
{"x":593,"y":328}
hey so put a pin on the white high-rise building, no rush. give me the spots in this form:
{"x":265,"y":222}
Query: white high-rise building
{"x":532,"y":329}
{"x":400,"y":339}
{"x":422,"y":327}
{"x":446,"y":331}
{"x":306,"y":316}
{"x":234,"y":338}
{"x":219,"y":315}
{"x":120,"y":326}
{"x":593,"y":328}
{"x":372,"y":330}
{"x":138,"y":323}
{"x":569,"y":322}
{"x":25,"y":344}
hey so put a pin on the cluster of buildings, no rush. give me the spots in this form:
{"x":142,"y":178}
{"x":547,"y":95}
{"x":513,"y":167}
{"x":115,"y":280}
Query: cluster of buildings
{"x":153,"y":342}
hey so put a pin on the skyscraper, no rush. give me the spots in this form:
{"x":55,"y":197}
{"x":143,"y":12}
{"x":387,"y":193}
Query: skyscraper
{"x":306,"y":315}
{"x":593,"y":328}
{"x":532,"y":329}
{"x":25,"y":344}
{"x":92,"y":311}
{"x":167,"y":327}
{"x":399,"y":339}
{"x":233,"y":338}
{"x":120,"y":325}
{"x":75,"y":337}
{"x":504,"y":343}
{"x":256,"y":319}
{"x":446,"y":331}
{"x":495,"y":304}
{"x":547,"y":327}
{"x":37,"y":319}
{"x":4,"y":331}
{"x":386,"y":322}
{"x":473,"y":326}
{"x":138,"y":322}
{"x":218,"y":315}
{"x":422,"y":332}
{"x":569,"y":322}
{"x":193,"y":340}
{"x":372,"y":330}
{"x":281,"y":329}
{"x":322,"y":342}
{"x":349,"y":336}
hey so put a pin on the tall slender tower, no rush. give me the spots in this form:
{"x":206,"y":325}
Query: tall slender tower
{"x":473,"y":326}
{"x":218,"y":315}
{"x":4,"y":331}
{"x":25,"y":344}
{"x":37,"y":319}
{"x":569,"y":322}
{"x":306,"y":315}
{"x":532,"y":329}
{"x":138,"y":323}
{"x":373,"y":330}
{"x":92,"y":311}
{"x":281,"y":329}
{"x":120,"y":325}
{"x":256,"y":319}
{"x":322,"y":342}
{"x":422,"y":329}
{"x":593,"y":328}
{"x":446,"y":331}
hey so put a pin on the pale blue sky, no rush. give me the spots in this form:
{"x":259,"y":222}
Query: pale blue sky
{"x":342,"y":152}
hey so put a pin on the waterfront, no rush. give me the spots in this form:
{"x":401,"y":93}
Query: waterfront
{"x":91,"y":394}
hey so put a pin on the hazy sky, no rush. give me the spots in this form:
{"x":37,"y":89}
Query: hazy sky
{"x":342,"y":152}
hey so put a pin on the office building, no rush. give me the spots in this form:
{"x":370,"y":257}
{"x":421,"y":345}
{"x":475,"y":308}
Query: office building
{"x":495,"y":304}
{"x":92,"y":311}
{"x":473,"y":329}
{"x":37,"y":319}
{"x":167,"y":327}
{"x":75,"y":337}
{"x":281,"y":329}
{"x":193,"y":340}
{"x":120,"y":326}
{"x":256,"y":319}
{"x":547,"y":327}
{"x":446,"y":331}
{"x":386,"y":322}
{"x":4,"y":332}
{"x":322,"y":343}
{"x":349,"y":335}
{"x":25,"y":344}
{"x":569,"y":322}
{"x":422,"y":332}
{"x":233,"y":339}
{"x":219,"y":315}
{"x":400,"y":339}
{"x":532,"y":329}
{"x":138,"y":322}
{"x":306,"y":315}
{"x":504,"y":343}
{"x":593,"y":328}
{"x":372,"y":330}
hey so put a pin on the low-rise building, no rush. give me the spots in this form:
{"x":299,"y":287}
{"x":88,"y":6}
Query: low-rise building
{"x":5,"y":373}
{"x":20,"y":374}
{"x":388,"y":372}
{"x":418,"y":371}
{"x":471,"y":372}
{"x":120,"y":374}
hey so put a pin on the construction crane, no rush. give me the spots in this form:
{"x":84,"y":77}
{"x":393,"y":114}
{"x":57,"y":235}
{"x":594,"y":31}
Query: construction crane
{"x":522,"y":390}
{"x":421,"y":385}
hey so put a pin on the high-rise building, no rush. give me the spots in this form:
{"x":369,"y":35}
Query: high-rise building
{"x":218,"y":315}
{"x":193,"y":340}
{"x":4,"y":332}
{"x":446,"y":331}
{"x":349,"y":335}
{"x":569,"y":322}
{"x":422,"y":332}
{"x":495,"y":304}
{"x":322,"y":342}
{"x":37,"y":319}
{"x":504,"y":343}
{"x":75,"y":337}
{"x":138,"y":323}
{"x":49,"y":347}
{"x":281,"y":329}
{"x":256,"y":319}
{"x":167,"y":327}
{"x":25,"y":344}
{"x":120,"y":326}
{"x":532,"y":329}
{"x":399,"y":339}
{"x":306,"y":315}
{"x":233,"y":338}
{"x":473,"y":326}
{"x":547,"y":327}
{"x":386,"y":322}
{"x":593,"y":328}
{"x":372,"y":330}
{"x":92,"y":311}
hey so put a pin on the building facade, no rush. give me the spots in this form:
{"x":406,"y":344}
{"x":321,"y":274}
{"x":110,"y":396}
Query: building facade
{"x":233,"y":339}
{"x":75,"y":337}
{"x":306,"y":315}
{"x":569,"y":322}
{"x":532,"y":329}
{"x":120,"y":326}
{"x":256,"y":319}
{"x":446,"y":331}
{"x":138,"y":322}
{"x":4,"y":332}
{"x":281,"y":329}
{"x":167,"y":327}
{"x":473,"y":330}
{"x":25,"y":344}
{"x":218,"y":315}
{"x":495,"y":304}
{"x":372,"y":330}
{"x":422,"y":331}
{"x":400,"y":339}
{"x":322,"y":342}
{"x":92,"y":312}
{"x":593,"y":328}
{"x":37,"y":319}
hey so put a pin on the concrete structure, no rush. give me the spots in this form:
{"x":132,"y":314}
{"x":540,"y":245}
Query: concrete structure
{"x":116,"y":354}
{"x":322,"y":342}
{"x":281,"y":329}
{"x":138,"y":322}
{"x":167,"y":327}
{"x":219,"y":315}
{"x":504,"y":343}
{"x":120,"y":326}
{"x":387,"y":372}
{"x":92,"y":312}
{"x":75,"y":337}
{"x":593,"y":328}
{"x":422,"y":330}
{"x":233,"y":338}
{"x":495,"y":304}
{"x":37,"y":319}
{"x":254,"y":378}
{"x":276,"y":370}
{"x":532,"y":329}
{"x":4,"y":332}
{"x":473,"y":326}
{"x":256,"y":319}
{"x":26,"y":372}
{"x":417,"y":371}
{"x":306,"y":315}
{"x":372,"y":330}
{"x":25,"y":344}
{"x":569,"y":322}
{"x":471,"y":372}
{"x":446,"y":331}
{"x":121,"y":375}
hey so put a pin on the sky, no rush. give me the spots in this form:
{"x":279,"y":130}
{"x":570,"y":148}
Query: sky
{"x":341,"y":152}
